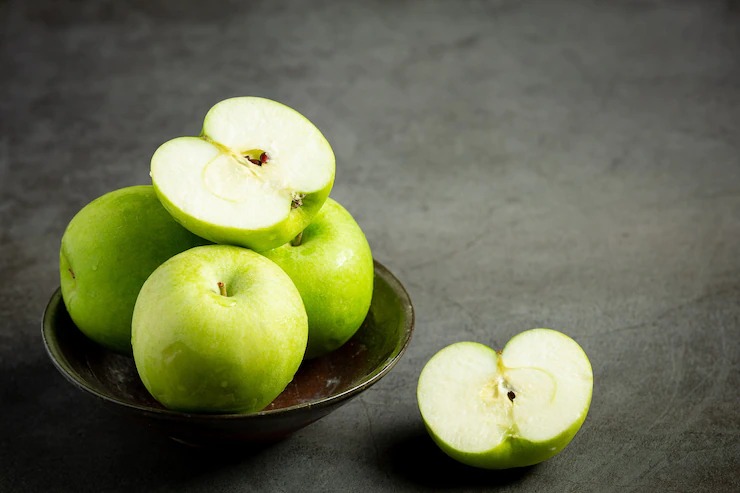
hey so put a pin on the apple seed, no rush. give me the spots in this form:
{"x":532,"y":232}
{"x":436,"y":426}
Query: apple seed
{"x":511,"y":395}
{"x":262,"y":159}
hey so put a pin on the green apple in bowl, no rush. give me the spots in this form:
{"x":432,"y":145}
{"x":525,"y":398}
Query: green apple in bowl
{"x":332,"y":265}
{"x":107,"y":251}
{"x":218,"y":329}
{"x":512,"y":408}
{"x":255,"y":177}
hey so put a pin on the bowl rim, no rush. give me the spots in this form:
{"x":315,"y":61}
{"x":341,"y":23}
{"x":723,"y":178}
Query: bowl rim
{"x":60,"y":361}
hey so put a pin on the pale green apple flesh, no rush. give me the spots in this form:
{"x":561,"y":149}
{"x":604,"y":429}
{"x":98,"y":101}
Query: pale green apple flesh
{"x":107,"y":251}
{"x":257,"y":175}
{"x":218,"y":329}
{"x":332,"y":266}
{"x":505,"y":409}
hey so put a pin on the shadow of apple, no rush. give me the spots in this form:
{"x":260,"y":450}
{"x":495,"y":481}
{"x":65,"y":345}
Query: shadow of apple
{"x":417,"y":459}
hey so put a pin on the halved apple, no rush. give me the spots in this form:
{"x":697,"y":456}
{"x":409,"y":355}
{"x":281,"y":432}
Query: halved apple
{"x":255,"y":177}
{"x":505,"y":409}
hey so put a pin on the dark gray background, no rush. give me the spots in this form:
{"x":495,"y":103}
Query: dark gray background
{"x":569,"y":164}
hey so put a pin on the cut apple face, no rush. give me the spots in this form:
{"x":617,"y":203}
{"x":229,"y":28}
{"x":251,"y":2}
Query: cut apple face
{"x":256,"y":176}
{"x":506,"y":409}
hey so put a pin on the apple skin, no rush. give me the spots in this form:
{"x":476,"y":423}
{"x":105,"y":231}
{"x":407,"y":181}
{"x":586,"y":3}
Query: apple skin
{"x":333,"y":270}
{"x":258,"y":240}
{"x":515,"y":451}
{"x":197,"y":350}
{"x":107,"y":251}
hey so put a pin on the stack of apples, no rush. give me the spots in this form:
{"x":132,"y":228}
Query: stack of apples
{"x":227,"y":271}
{"x":235,"y":266}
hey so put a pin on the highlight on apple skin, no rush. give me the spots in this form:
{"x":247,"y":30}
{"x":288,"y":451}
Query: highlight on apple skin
{"x":513,"y":408}
{"x":255,"y":177}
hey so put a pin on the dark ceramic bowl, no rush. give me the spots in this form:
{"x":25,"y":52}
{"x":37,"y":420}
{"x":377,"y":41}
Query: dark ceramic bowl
{"x":320,"y":386}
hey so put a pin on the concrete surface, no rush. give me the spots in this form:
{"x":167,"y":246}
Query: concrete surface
{"x":569,"y":164}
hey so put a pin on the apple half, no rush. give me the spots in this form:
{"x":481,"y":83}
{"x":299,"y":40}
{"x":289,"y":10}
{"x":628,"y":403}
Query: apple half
{"x":512,"y":408}
{"x":255,"y":177}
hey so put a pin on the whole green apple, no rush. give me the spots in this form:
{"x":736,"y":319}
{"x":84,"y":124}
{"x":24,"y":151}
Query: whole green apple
{"x":218,"y":328}
{"x":257,"y":175}
{"x":332,"y":266}
{"x":513,"y":408}
{"x":107,"y":251}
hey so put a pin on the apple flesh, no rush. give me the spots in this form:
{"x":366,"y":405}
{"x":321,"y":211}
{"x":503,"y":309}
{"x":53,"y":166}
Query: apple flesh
{"x":107,"y":251}
{"x":218,"y":329}
{"x":513,"y":408}
{"x":257,"y":175}
{"x":332,"y":266}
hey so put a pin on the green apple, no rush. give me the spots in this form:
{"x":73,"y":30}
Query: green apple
{"x":108,"y":250}
{"x":218,"y":328}
{"x":332,"y":266}
{"x":513,"y":408}
{"x":257,"y":175}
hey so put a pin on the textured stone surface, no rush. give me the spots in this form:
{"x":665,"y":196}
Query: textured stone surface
{"x":569,"y":164}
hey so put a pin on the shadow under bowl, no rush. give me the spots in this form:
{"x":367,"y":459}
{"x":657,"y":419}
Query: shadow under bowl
{"x":320,"y":386}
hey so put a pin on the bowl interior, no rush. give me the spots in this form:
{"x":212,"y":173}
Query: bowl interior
{"x":322,"y":382}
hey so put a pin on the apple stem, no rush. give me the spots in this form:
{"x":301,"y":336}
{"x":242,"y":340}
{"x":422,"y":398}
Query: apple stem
{"x":71,"y":273}
{"x":222,"y":288}
{"x":297,"y":240}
